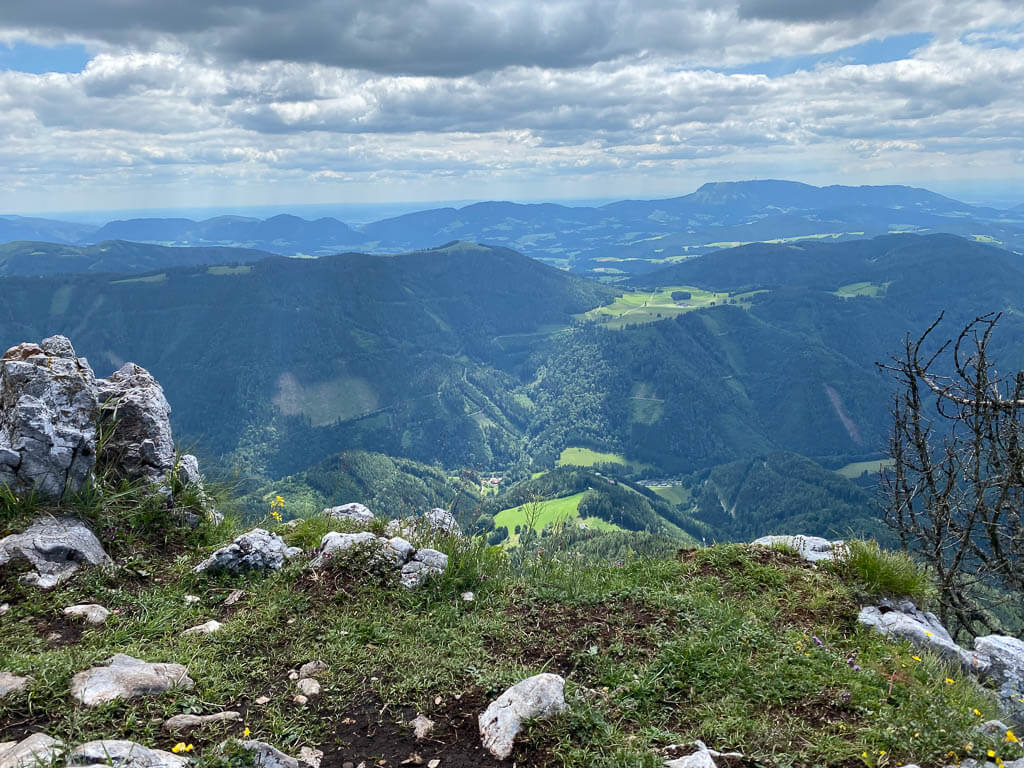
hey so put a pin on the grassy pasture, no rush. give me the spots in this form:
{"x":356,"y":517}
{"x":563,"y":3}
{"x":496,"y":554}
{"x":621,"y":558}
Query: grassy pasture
{"x":548,"y":513}
{"x":673,"y":494}
{"x":857,"y":468}
{"x":865,"y":288}
{"x":584,"y":457}
{"x":638,"y":307}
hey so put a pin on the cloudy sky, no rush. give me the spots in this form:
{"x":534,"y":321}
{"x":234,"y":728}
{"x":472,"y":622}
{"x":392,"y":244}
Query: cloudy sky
{"x":146,"y":104}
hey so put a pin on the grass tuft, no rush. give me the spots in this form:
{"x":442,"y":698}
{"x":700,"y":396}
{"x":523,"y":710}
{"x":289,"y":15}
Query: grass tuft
{"x":880,"y":572}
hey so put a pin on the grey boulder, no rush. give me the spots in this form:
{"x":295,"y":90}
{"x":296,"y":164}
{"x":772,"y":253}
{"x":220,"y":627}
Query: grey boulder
{"x":540,"y":696}
{"x":11,"y":683}
{"x":1005,"y":656}
{"x":48,"y":409}
{"x":424,"y":564}
{"x":355,"y":512}
{"x":266,"y":756}
{"x":36,"y":749}
{"x":904,"y":620}
{"x":436,"y":522}
{"x":257,"y":550}
{"x":810,"y":548}
{"x":126,"y":677}
{"x":55,"y":547}
{"x":122,"y":754}
{"x":91,"y":613}
{"x":132,"y":403}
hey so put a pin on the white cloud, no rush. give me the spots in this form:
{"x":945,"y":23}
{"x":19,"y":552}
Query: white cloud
{"x":581,"y":96}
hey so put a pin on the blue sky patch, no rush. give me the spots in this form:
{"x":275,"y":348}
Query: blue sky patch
{"x":37,"y":59}
{"x":871,"y":52}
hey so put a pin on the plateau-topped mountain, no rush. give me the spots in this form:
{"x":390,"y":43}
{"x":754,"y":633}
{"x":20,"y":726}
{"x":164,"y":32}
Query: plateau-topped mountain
{"x":611,"y":241}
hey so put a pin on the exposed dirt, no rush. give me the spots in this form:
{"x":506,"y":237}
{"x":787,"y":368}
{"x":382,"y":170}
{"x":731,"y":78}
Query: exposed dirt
{"x":59,"y":630}
{"x":380,"y":736}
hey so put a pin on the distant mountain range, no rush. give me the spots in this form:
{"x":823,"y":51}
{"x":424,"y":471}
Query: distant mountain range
{"x":611,"y":241}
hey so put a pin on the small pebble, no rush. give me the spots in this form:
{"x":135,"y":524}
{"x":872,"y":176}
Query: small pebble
{"x":191,"y":599}
{"x":262,"y":700}
{"x":311,"y":757}
{"x":469,"y":597}
{"x":312,"y":669}
{"x":4,"y":608}
{"x":234,"y":597}
{"x":300,"y":700}
{"x":293,"y":674}
{"x":308,"y":686}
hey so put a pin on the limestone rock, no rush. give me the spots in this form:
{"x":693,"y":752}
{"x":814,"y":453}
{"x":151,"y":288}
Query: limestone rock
{"x":258,"y":550}
{"x":11,"y":683}
{"x":421,"y":726}
{"x":334,"y":543}
{"x":540,"y":696}
{"x":703,"y":757}
{"x":811,"y":548}
{"x":311,"y":757}
{"x":424,"y":564}
{"x":904,"y":620}
{"x":355,"y":512}
{"x":266,"y":756}
{"x":140,"y":446}
{"x":55,"y":547}
{"x":436,"y":522}
{"x":90,"y":612}
{"x":122,"y":754}
{"x":126,"y":677}
{"x":188,"y":471}
{"x":48,"y":410}
{"x":37,"y":749}
{"x":312,"y":669}
{"x":1006,"y":668}
{"x":204,"y":629}
{"x":188,"y":722}
{"x":308,"y":687}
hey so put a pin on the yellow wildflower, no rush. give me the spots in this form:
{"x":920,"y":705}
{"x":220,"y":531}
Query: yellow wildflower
{"x":991,"y":753}
{"x":949,"y":681}
{"x":977,"y":712}
{"x":181,"y":746}
{"x":246,"y":732}
{"x":1011,"y":738}
{"x":916,"y":658}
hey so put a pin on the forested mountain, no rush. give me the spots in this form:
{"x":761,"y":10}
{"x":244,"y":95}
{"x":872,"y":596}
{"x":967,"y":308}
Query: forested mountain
{"x":629,"y":237}
{"x":114,"y":256}
{"x":474,"y":357}
{"x":280,"y":363}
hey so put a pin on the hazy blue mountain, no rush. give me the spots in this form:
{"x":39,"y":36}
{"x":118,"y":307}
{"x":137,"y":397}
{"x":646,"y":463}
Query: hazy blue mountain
{"x":50,"y":230}
{"x":115,"y":256}
{"x":286,"y":235}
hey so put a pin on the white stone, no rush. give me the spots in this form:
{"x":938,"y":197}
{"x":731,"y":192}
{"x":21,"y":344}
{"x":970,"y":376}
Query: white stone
{"x":126,"y":677}
{"x":91,"y":612}
{"x":811,"y":548}
{"x":334,"y":543}
{"x":11,"y":683}
{"x":421,"y":726}
{"x":267,"y":756}
{"x":905,"y":621}
{"x":258,"y":550}
{"x":189,"y":599}
{"x":208,"y":628}
{"x":310,"y":756}
{"x":308,"y":687}
{"x":188,"y":722}
{"x":36,"y":749}
{"x":540,"y":696}
{"x":122,"y":754}
{"x":355,"y":512}
{"x":55,"y":547}
{"x":312,"y":669}
{"x":300,"y":700}
{"x":468,"y":597}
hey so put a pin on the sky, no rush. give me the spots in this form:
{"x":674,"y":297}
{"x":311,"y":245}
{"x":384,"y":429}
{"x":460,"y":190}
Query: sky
{"x":132,"y":104}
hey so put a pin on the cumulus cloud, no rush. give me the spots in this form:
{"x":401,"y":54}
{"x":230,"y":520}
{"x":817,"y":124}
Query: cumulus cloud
{"x":433,"y":94}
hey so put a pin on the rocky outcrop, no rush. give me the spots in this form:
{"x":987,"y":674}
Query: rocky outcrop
{"x":257,"y":550}
{"x":48,"y":410}
{"x":810,"y":548}
{"x":997,"y":658}
{"x":412,"y":566}
{"x":126,"y":677}
{"x":54,"y":547}
{"x":37,"y":749}
{"x":436,"y":522}
{"x":539,"y":696}
{"x":139,"y":445}
{"x":266,"y":756}
{"x":355,"y":512}
{"x":122,"y":754}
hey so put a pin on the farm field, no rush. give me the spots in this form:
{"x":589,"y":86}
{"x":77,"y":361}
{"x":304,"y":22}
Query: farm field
{"x":673,"y":494}
{"x":584,"y":457}
{"x":548,"y":513}
{"x":857,"y":468}
{"x":870,"y":290}
{"x":638,"y":307}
